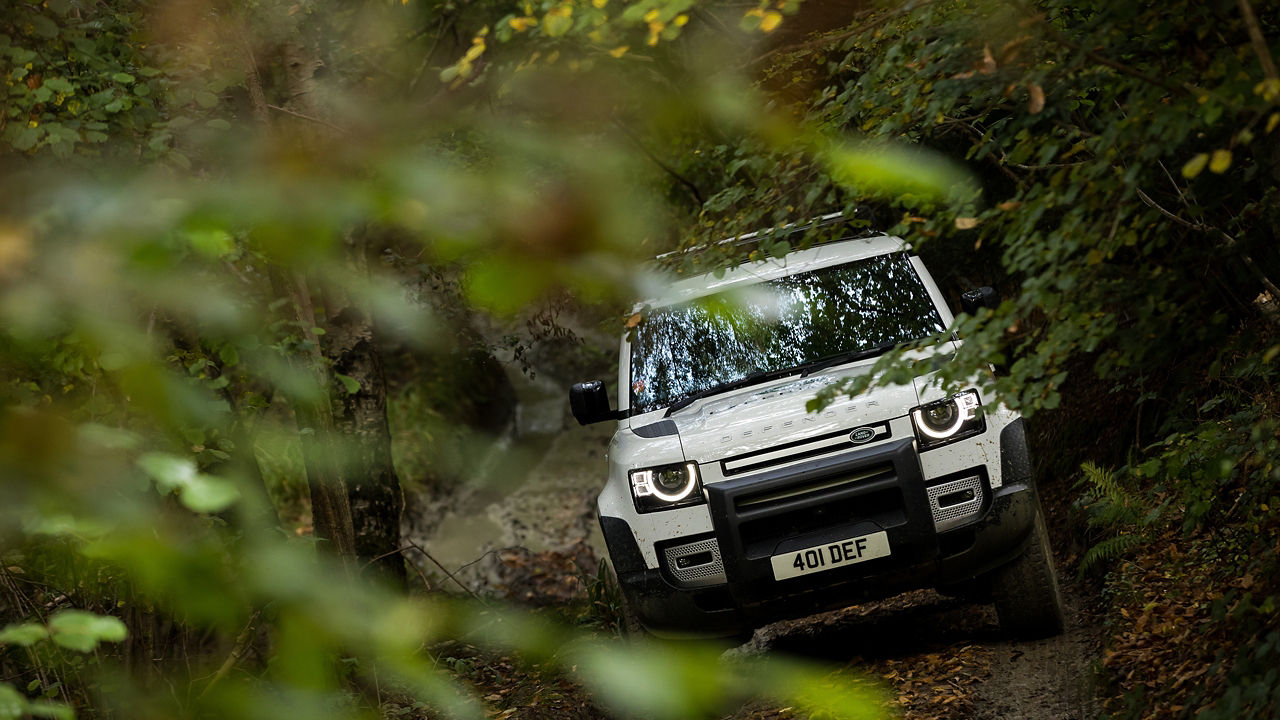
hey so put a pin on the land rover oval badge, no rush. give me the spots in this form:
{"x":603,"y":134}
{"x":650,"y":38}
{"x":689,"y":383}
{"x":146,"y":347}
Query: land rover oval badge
{"x":862,"y":435}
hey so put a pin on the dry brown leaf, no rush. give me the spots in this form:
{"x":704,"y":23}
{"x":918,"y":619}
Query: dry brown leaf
{"x":1036,"y":103}
{"x":988,"y":61}
{"x":966,"y":223}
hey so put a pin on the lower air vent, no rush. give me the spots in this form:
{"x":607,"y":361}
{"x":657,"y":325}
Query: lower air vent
{"x":954,"y":502}
{"x":696,"y":564}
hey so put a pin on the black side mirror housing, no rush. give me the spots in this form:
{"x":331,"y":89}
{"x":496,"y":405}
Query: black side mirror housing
{"x":983,"y":297}
{"x":589,"y":402}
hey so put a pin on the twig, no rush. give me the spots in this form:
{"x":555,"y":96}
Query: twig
{"x":473,"y":562}
{"x":1229,"y":241}
{"x":1046,"y":166}
{"x":309,"y":118}
{"x":697,"y":194}
{"x":237,"y":650}
{"x":470,"y":592}
{"x":1259,"y":42}
{"x":1181,"y":221}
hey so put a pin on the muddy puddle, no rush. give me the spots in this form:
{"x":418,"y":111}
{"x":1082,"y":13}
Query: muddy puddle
{"x":533,"y":487}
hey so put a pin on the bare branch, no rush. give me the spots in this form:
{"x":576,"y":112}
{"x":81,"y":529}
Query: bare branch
{"x":1259,"y":42}
{"x":1227,"y":240}
{"x":697,"y":194}
{"x":237,"y":650}
{"x":309,"y":118}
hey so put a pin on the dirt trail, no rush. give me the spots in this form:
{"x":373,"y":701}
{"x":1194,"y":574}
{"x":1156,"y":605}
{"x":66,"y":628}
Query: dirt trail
{"x":940,"y":657}
{"x":946,"y":658}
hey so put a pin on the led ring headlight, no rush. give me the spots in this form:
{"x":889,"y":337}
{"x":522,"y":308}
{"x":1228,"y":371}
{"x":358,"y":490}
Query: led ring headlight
{"x":942,"y":420}
{"x":668,"y":486}
{"x":957,"y":417}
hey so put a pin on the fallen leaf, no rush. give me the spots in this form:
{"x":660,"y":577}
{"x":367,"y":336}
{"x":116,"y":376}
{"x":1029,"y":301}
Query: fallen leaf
{"x":966,"y":223}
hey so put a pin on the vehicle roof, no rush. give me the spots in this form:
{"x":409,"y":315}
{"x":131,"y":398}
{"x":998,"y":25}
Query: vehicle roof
{"x":749,"y":273}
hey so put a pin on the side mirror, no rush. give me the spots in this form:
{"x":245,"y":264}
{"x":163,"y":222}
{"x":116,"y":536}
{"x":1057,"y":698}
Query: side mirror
{"x":983,"y":297}
{"x":590,"y":403}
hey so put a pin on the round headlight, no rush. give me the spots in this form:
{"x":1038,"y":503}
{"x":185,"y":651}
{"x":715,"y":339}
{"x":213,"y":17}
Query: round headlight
{"x":673,"y":483}
{"x":942,"y":419}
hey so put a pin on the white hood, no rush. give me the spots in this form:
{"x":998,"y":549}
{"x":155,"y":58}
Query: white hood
{"x":772,"y":414}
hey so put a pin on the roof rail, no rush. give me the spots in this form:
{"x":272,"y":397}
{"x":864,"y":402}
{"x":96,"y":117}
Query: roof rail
{"x":748,"y":238}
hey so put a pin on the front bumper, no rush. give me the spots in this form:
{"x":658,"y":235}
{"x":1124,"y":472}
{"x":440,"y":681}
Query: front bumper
{"x":921,"y":556}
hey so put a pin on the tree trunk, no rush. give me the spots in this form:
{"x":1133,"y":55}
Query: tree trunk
{"x":361,"y":417}
{"x":346,"y":442}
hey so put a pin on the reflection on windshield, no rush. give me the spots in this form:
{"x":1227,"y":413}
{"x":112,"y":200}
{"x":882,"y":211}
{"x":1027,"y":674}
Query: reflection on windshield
{"x":686,"y":349}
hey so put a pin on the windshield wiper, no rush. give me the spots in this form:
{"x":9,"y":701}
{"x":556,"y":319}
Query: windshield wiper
{"x":758,"y":376}
{"x":845,"y":357}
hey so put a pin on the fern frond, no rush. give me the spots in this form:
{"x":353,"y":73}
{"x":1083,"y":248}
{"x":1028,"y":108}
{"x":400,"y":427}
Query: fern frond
{"x":1104,"y":481}
{"x":1109,"y":549}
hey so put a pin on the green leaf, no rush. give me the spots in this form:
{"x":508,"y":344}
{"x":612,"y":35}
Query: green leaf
{"x":25,"y":635}
{"x":197,"y":491}
{"x":82,"y":631}
{"x":43,"y":26}
{"x":213,"y":243}
{"x":1195,"y":165}
{"x":206,"y":99}
{"x":229,"y":355}
{"x":60,"y":85}
{"x":26,"y":139}
{"x":58,"y":711}
{"x":893,"y":170}
{"x":218,"y":124}
{"x":168,"y":471}
{"x":208,"y":494}
{"x":351,"y":384}
{"x":12,"y":704}
{"x":123,"y":78}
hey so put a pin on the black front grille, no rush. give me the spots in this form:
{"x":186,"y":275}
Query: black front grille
{"x":820,"y":487}
{"x":815,"y":501}
{"x":883,"y":507}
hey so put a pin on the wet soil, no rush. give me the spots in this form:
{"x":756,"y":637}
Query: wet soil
{"x":946,"y":658}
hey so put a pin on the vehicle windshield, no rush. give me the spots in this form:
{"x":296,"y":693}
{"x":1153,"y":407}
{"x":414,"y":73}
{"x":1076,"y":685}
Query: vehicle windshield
{"x":692,"y":348}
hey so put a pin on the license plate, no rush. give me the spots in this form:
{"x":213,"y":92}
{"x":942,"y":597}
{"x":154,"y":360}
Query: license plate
{"x":829,"y":556}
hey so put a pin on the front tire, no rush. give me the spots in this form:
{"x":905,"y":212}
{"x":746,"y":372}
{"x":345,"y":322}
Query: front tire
{"x":1027,"y":597}
{"x":629,"y":626}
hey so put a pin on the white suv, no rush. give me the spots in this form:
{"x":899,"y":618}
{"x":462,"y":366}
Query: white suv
{"x":729,"y":506}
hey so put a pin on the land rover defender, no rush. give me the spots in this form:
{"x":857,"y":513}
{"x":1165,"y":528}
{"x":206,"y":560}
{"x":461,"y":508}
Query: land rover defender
{"x":729,"y":506}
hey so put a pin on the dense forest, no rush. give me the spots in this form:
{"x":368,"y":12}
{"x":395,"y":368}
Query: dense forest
{"x":266,"y":268}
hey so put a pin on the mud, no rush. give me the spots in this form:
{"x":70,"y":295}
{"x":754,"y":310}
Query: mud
{"x":946,"y":658}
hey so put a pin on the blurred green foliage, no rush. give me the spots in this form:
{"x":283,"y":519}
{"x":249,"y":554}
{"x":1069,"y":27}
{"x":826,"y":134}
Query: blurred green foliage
{"x":198,"y":197}
{"x":182,"y":180}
